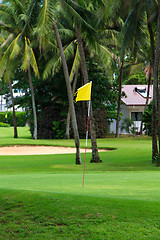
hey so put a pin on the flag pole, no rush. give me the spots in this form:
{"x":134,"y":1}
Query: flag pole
{"x":89,"y":106}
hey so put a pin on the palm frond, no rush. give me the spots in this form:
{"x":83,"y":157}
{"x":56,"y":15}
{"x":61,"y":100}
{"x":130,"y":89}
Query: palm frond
{"x":26,"y":59}
{"x":6,"y":15}
{"x":5,"y":58}
{"x":111,"y":54}
{"x":33,"y":63}
{"x":16,"y":4}
{"x":52,"y":66}
{"x":76,"y":64}
{"x":16,"y":48}
{"x":134,"y":68}
{"x":6,"y":41}
{"x":28,"y":14}
{"x":2,"y":40}
{"x":55,"y":63}
{"x":65,"y":32}
{"x":75,"y":12}
{"x":132,"y":27}
{"x":10,"y":70}
{"x":45,"y":20}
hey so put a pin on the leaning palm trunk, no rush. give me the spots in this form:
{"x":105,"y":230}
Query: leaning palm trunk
{"x":95,"y":154}
{"x":69,"y":115}
{"x":70,"y":95}
{"x":33,"y":104}
{"x":14,"y":114}
{"x":119,"y":99}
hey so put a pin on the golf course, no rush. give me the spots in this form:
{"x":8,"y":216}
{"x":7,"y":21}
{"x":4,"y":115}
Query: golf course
{"x":41,"y":196}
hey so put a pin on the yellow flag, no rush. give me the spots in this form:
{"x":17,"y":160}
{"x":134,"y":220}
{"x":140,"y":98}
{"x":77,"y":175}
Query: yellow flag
{"x":83,"y":93}
{"x":6,"y":115}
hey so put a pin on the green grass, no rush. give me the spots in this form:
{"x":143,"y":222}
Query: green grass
{"x":41,"y":197}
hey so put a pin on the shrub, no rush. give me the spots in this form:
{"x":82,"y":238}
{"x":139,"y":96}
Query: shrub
{"x":4,"y":124}
{"x":59,"y":129}
{"x":147,"y":119}
{"x":128,"y":126}
{"x":20,"y":117}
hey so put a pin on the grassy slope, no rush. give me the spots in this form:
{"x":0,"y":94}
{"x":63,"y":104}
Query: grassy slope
{"x":41,"y":197}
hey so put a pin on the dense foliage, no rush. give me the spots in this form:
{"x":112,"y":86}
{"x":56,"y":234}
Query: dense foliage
{"x":119,"y":40}
{"x":147,"y":120}
{"x":7,"y":117}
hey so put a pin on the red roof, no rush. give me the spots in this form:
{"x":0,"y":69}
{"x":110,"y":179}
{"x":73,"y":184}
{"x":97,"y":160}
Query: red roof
{"x":133,"y":97}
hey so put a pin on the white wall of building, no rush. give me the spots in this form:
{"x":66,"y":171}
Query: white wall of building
{"x":126,"y":113}
{"x":4,"y":105}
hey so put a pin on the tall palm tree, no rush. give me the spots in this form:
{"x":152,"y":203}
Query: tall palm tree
{"x":132,"y":35}
{"x":95,"y":155}
{"x":79,"y":13}
{"x":16,"y":49}
{"x":13,"y":107}
{"x":11,"y":92}
{"x":156,"y":72}
{"x":70,"y":96}
{"x":46,"y":24}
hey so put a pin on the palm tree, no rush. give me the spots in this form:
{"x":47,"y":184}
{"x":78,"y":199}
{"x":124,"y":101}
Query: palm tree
{"x":11,"y":21}
{"x":156,"y":72}
{"x":46,"y":24}
{"x":95,"y":155}
{"x":133,"y":35}
{"x":14,"y":114}
{"x":79,"y":13}
{"x":70,"y":95}
{"x":12,"y":98}
{"x":119,"y":98}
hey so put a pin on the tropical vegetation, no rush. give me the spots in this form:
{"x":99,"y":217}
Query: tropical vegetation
{"x":44,"y":42}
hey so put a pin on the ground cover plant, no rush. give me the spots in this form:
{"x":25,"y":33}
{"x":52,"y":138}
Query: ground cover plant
{"x":41,"y":197}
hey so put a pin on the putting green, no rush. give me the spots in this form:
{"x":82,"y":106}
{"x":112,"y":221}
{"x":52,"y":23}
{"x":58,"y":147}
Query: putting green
{"x":122,"y":185}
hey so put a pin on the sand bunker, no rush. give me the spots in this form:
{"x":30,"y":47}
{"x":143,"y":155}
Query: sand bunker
{"x":38,"y":150}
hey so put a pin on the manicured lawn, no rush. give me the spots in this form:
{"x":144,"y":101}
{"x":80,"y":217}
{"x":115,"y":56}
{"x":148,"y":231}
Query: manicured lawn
{"x":41,"y":197}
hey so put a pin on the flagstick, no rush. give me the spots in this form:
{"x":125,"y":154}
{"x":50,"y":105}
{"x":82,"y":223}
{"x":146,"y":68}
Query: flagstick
{"x":89,"y":106}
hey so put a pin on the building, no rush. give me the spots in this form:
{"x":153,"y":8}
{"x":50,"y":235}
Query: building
{"x":133,"y":105}
{"x":5,"y":101}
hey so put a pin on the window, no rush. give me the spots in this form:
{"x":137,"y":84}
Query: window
{"x":142,"y":91}
{"x":136,"y":116}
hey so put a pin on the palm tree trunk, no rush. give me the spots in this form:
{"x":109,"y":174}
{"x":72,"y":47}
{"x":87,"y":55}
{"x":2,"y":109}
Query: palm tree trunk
{"x":95,"y":154}
{"x":157,"y":58}
{"x":69,"y":115}
{"x":119,"y":99}
{"x":70,"y":95}
{"x":14,"y":114}
{"x":33,"y":104}
{"x":155,"y":91}
{"x":67,"y":135}
{"x":147,"y":99}
{"x":154,"y":123}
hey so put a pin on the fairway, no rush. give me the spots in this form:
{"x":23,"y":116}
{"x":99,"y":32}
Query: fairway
{"x":41,"y":196}
{"x":121,"y":185}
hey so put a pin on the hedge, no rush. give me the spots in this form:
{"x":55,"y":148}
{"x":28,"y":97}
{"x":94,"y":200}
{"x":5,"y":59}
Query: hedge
{"x":7,"y":117}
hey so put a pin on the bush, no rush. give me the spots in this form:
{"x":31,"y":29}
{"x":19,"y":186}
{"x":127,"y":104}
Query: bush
{"x":147,"y":120}
{"x":128,"y":126}
{"x":20,"y":117}
{"x":4,"y":124}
